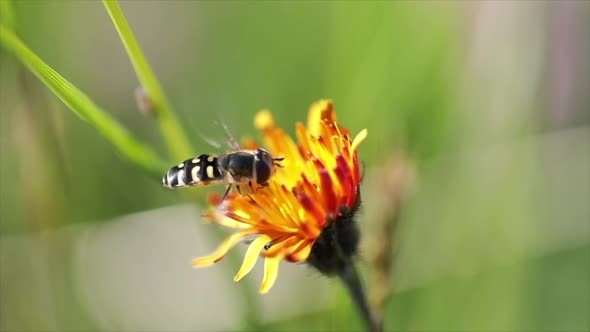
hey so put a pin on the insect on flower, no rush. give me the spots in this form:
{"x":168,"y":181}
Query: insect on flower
{"x":306,"y":214}
{"x":240,"y":166}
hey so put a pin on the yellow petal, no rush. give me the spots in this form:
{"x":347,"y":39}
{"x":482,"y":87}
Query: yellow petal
{"x":359,"y":138}
{"x":264,"y":120}
{"x":318,"y":111}
{"x":223,"y":248}
{"x":271,"y":270}
{"x":251,"y":256}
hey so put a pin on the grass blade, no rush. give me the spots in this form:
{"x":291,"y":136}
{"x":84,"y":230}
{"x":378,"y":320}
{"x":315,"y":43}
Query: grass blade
{"x":126,"y":144}
{"x":170,"y":128}
{"x":171,"y":131}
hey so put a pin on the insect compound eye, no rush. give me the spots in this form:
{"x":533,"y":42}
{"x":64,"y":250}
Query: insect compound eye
{"x":263,"y":171}
{"x":263,"y":166}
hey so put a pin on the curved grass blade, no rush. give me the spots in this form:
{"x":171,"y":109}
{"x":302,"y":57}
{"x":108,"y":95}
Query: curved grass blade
{"x":170,"y":128}
{"x":126,"y":144}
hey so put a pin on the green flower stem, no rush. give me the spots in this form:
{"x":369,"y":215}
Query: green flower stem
{"x":170,"y":128}
{"x":126,"y":144}
{"x":350,"y":278}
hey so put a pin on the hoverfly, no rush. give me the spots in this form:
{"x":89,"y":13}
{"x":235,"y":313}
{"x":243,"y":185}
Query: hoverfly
{"x":234,"y":168}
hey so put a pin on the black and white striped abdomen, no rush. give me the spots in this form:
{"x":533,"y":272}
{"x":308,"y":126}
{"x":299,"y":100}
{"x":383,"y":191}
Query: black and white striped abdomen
{"x":201,"y":170}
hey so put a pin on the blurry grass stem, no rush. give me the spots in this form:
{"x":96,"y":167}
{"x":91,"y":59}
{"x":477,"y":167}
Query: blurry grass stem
{"x":391,"y":183}
{"x":152,"y":100}
{"x":173,"y":134}
{"x":7,"y":15}
{"x":126,"y":144}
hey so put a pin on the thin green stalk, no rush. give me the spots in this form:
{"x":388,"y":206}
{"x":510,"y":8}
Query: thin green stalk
{"x":170,"y":128}
{"x":126,"y":144}
{"x":350,"y":278}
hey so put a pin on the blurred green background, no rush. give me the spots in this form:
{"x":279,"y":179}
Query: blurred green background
{"x":488,"y":100}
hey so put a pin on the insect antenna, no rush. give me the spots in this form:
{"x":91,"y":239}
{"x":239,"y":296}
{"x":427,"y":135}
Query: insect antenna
{"x":277,"y":160}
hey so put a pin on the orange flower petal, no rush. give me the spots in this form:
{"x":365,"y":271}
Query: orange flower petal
{"x":249,"y":143}
{"x":277,"y":141}
{"x":312,"y":207}
{"x":327,"y":187}
{"x":301,"y":253}
{"x":320,"y":175}
{"x":281,"y":246}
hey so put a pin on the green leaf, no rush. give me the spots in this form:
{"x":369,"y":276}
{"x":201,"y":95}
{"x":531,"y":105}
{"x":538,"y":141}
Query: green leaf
{"x":128,"y":146}
{"x":170,"y":128}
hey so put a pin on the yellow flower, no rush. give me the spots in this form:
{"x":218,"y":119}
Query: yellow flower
{"x":307,"y":203}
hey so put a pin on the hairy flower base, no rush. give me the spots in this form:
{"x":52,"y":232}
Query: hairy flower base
{"x":306,"y":211}
{"x":337,"y":244}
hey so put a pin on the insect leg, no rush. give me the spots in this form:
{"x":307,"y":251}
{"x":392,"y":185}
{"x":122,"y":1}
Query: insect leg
{"x":226,"y":192}
{"x":268,"y":245}
{"x":251,"y":199}
{"x":247,"y":195}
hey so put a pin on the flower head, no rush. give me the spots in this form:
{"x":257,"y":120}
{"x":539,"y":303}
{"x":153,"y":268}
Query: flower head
{"x":307,"y":204}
